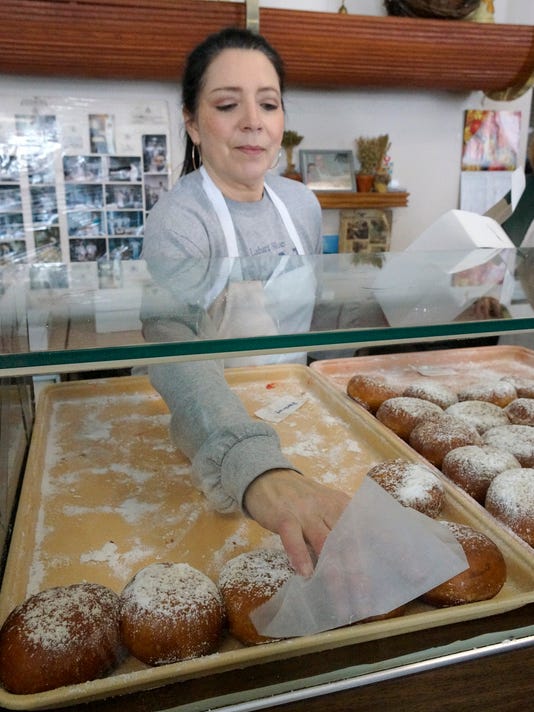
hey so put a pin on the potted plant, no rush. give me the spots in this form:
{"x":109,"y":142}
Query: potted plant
{"x":290,"y":140}
{"x":370,"y":153}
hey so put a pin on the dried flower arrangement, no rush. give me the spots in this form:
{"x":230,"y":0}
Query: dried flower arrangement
{"x":290,"y":139}
{"x":371,"y":152}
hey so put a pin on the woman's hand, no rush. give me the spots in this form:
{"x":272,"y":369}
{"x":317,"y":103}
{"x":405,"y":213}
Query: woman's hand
{"x":483,"y":308}
{"x":301,"y":511}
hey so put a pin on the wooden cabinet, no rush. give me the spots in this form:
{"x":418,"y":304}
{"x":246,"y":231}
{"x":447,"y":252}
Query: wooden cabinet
{"x":149,"y":39}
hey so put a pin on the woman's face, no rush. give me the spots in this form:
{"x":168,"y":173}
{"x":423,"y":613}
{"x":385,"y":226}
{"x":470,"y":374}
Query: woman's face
{"x":239,"y":122}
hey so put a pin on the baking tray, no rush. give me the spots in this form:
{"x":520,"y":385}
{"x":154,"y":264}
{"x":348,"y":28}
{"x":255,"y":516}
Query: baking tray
{"x":105,"y":493}
{"x":456,"y":368}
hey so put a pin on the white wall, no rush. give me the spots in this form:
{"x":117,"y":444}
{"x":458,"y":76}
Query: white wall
{"x":425,"y":127}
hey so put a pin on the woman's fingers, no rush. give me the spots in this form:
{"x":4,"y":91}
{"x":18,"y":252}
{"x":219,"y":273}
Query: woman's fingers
{"x":296,"y":548}
{"x":301,"y":511}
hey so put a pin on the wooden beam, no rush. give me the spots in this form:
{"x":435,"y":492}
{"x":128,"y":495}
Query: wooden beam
{"x":149,"y":39}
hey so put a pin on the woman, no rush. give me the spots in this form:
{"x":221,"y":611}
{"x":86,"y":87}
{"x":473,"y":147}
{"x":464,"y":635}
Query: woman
{"x":225,"y":206}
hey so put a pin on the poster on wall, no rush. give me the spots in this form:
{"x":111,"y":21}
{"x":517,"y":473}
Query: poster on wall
{"x":79,"y":176}
{"x":491,"y":140}
{"x":490,"y":149}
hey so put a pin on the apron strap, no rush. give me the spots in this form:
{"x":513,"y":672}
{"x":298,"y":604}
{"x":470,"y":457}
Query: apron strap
{"x":220,"y":207}
{"x":227,"y":224}
{"x":286,"y":218}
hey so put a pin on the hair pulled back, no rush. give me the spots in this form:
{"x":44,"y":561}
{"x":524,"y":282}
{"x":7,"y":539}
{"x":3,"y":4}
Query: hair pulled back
{"x":197,"y":65}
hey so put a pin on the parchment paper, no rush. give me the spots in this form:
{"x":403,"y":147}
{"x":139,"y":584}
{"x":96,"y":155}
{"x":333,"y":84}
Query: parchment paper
{"x":379,"y":556}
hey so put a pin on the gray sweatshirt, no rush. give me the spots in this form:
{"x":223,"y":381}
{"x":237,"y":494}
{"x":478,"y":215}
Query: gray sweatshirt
{"x":185,"y":251}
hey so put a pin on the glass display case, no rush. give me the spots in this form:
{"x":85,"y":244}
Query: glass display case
{"x":66,"y":318}
{"x":91,"y":322}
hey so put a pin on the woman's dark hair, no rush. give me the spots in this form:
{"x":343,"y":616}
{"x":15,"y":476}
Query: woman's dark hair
{"x":197,"y":65}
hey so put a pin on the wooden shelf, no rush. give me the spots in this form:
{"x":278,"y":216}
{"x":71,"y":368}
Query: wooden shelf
{"x":336,"y":201}
{"x":149,"y":39}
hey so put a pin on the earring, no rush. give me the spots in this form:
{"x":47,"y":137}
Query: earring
{"x":194,"y":157}
{"x":278,"y":157}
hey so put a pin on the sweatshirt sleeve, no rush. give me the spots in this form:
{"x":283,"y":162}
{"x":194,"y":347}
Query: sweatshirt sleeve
{"x":228,"y":449}
{"x":211,"y":426}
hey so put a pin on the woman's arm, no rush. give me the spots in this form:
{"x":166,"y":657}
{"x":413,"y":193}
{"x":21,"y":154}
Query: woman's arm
{"x":236,"y":460}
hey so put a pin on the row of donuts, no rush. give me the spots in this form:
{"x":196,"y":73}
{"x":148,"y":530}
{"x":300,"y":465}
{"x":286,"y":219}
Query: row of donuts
{"x":170,"y":612}
{"x":167,"y":612}
{"x":481,"y":437}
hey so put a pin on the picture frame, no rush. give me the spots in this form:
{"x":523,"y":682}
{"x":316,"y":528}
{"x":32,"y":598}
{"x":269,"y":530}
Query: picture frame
{"x":365,"y":230}
{"x":328,"y":170}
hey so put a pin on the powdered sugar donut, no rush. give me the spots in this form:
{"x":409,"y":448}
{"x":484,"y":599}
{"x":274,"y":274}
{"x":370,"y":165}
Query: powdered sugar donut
{"x":412,"y":484}
{"x":61,"y":636}
{"x":523,"y":386}
{"x":403,"y":413}
{"x":483,"y":579}
{"x":432,"y":391}
{"x":521,"y":411}
{"x":517,"y":439}
{"x":436,"y":437}
{"x":510,"y":498}
{"x":499,"y":392}
{"x":482,"y":415}
{"x":371,"y":390}
{"x":247,"y":581}
{"x":171,"y":612}
{"x":473,"y":467}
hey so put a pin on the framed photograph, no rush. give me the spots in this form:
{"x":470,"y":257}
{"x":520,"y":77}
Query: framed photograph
{"x":154,"y":153}
{"x":83,"y":169}
{"x":366,"y":230}
{"x":102,"y":133}
{"x":328,"y":170}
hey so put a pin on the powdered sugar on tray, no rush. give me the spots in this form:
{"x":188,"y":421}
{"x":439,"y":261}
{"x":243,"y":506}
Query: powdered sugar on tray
{"x":120,"y":563}
{"x":116,"y":495}
{"x":455,"y":368}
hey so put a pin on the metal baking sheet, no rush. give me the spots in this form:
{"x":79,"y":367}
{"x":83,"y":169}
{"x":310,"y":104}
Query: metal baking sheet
{"x":105,"y":494}
{"x":456,"y":368}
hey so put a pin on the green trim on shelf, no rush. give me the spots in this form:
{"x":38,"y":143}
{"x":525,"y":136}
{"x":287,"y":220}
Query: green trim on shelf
{"x":56,"y":361}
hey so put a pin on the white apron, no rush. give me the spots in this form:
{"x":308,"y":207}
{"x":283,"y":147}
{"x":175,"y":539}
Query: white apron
{"x":283,"y":305}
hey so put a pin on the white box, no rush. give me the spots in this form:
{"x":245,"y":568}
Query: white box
{"x":417,"y":286}
{"x":461,"y":231}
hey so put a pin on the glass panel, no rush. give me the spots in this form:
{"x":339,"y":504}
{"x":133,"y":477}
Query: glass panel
{"x":110,"y":311}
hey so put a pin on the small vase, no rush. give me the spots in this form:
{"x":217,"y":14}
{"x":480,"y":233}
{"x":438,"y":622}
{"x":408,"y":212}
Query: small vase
{"x":364,"y":182}
{"x":291,"y":172}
